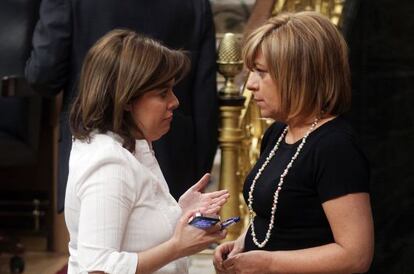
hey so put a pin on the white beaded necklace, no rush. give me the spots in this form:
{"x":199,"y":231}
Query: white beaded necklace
{"x":279,"y":186}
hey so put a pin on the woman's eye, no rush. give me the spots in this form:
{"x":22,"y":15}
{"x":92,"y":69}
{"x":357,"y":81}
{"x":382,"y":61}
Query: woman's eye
{"x":164,"y":93}
{"x":261,"y":73}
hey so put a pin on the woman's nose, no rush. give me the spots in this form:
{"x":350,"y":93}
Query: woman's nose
{"x":174,"y":103}
{"x":252,"y":83}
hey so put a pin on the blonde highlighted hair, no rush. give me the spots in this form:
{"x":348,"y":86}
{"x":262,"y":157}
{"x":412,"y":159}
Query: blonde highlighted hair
{"x":118,"y":69}
{"x":307,"y":59}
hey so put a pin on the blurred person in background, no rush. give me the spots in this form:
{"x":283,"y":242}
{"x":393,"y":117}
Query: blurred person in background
{"x":68,"y":28}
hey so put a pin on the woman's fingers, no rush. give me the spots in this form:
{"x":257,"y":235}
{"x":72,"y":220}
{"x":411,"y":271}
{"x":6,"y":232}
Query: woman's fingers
{"x":202,"y":183}
{"x":215,"y":205}
{"x":218,"y":194}
{"x":213,"y":229}
{"x":218,"y":262}
{"x":221,"y":200}
{"x":221,"y":255}
{"x":228,"y":263}
{"x":233,"y":252}
{"x":212,"y":210}
{"x":218,"y":235}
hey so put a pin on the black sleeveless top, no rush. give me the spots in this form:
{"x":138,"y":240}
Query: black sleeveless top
{"x":329,"y":165}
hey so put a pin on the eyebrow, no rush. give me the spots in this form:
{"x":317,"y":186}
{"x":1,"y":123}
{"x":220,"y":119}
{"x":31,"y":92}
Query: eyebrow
{"x":169,"y":84}
{"x":166,"y":85}
{"x":259,"y":65}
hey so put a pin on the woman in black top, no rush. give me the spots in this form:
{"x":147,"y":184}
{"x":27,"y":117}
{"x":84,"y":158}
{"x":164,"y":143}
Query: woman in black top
{"x":308,"y":194}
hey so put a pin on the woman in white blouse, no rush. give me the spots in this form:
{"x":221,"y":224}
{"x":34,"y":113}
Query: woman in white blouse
{"x":120,"y":215}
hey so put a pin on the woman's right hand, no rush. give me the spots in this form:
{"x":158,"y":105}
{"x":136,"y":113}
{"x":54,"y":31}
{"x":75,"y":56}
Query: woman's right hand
{"x":227,"y":250}
{"x":189,"y":240}
{"x":209,"y":203}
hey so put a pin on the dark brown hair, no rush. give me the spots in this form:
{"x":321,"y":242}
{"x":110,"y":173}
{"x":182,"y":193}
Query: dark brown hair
{"x":118,"y":69}
{"x":307,"y":58}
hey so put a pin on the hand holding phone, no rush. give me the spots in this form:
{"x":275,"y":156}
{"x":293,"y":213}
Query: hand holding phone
{"x":204,"y":222}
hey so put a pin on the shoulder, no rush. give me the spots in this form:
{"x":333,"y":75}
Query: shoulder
{"x":100,"y":144}
{"x":340,"y":165}
{"x":337,"y":133}
{"x":102,"y":161}
{"x":103,"y":149}
{"x":337,"y":144}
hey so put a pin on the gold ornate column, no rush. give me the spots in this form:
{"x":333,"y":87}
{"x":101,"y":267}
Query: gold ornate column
{"x":230,"y":134}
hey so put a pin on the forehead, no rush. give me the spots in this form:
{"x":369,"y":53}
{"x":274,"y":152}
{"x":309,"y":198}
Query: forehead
{"x":260,"y":60}
{"x":168,"y":84}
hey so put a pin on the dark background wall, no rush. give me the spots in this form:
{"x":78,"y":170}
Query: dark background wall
{"x":381,"y":44}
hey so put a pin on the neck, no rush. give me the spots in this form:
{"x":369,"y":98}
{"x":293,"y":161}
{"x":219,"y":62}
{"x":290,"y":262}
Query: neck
{"x":298,"y":130}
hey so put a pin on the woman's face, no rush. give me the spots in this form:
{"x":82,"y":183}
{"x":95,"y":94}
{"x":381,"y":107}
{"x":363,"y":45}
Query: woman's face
{"x":153,"y":112}
{"x":264,"y":89}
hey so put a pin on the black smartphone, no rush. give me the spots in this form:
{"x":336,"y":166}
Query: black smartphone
{"x":203,"y":222}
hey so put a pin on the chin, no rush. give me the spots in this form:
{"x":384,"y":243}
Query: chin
{"x":265,"y":114}
{"x":157,"y":137}
{"x":268,"y":114}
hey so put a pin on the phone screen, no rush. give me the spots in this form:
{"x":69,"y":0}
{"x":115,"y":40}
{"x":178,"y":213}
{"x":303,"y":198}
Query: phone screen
{"x":203,"y":222}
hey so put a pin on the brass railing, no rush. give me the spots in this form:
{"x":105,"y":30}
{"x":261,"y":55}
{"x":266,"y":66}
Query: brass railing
{"x":242,"y":127}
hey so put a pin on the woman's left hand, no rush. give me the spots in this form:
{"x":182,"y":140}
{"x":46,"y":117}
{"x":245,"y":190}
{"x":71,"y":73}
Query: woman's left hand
{"x":252,"y":262}
{"x":208,"y":203}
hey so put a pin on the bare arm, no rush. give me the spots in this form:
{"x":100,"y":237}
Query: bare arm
{"x":351,"y":222}
{"x":261,"y":11}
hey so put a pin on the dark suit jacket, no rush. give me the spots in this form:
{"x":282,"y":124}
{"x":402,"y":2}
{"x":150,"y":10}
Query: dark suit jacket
{"x":68,"y":28}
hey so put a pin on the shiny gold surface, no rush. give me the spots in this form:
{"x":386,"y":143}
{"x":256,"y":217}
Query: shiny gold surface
{"x":230,"y":141}
{"x":229,"y":50}
{"x":229,"y":63}
{"x":330,"y":8}
{"x":230,"y":135}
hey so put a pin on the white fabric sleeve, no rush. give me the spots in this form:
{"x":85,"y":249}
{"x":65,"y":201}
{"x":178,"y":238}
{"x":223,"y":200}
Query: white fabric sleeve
{"x":107,"y":197}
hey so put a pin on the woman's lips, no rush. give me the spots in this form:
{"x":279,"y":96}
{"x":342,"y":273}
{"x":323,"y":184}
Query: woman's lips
{"x":257,"y":100}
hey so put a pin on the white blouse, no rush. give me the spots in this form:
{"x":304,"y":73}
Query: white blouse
{"x":117,"y":204}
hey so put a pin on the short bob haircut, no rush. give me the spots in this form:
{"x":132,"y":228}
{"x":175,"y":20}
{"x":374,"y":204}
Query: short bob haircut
{"x":308,"y":61}
{"x":117,"y":70}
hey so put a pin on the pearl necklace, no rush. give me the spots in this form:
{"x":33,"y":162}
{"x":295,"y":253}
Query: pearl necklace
{"x":279,"y":186}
